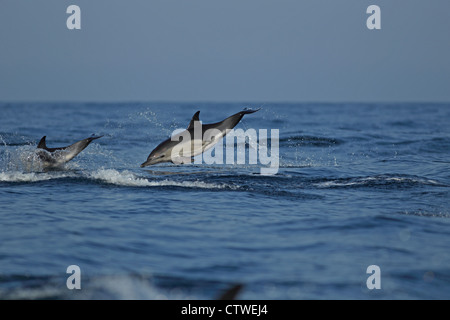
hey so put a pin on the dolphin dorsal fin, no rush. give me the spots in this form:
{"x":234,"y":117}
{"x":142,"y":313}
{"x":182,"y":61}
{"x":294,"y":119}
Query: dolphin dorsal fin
{"x":42,"y":144}
{"x":194,"y":118}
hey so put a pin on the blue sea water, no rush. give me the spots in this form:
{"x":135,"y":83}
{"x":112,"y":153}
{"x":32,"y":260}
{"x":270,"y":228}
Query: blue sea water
{"x":358,"y":185}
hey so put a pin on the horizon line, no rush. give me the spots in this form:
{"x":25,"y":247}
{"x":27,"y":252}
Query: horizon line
{"x":206,"y":101}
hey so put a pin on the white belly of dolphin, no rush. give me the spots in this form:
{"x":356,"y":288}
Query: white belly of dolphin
{"x":194,"y":147}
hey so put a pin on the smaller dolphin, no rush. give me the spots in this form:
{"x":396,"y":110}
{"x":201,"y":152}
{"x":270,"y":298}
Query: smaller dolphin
{"x":163,"y":152}
{"x":54,"y":157}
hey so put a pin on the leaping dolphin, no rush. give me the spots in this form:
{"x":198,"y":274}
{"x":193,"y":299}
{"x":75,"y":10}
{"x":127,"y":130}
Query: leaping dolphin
{"x":163,"y":152}
{"x":54,"y":157}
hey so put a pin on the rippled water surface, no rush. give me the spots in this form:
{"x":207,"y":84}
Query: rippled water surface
{"x":357,"y":185}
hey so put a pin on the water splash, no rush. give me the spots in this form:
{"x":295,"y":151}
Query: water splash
{"x":129,"y":179}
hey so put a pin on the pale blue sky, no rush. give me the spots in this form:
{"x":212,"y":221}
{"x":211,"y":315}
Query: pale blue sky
{"x":225,"y":50}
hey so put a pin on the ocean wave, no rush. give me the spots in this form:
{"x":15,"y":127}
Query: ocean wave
{"x":424,"y":213}
{"x":377,"y":181}
{"x":17,"y":176}
{"x":129,"y":179}
{"x":108,"y":176}
{"x":121,"y":287}
{"x":301,"y":140}
{"x":130,"y":286}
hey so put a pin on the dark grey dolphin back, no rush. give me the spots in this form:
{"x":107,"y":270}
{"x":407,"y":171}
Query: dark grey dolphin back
{"x":230,"y":122}
{"x":43,"y":145}
{"x":82,"y":144}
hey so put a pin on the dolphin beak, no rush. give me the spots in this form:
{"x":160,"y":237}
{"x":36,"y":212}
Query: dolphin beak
{"x":151,"y":161}
{"x":147,"y":163}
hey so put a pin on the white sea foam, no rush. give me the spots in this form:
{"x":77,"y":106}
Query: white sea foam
{"x":118,"y":287}
{"x":17,"y":176}
{"x":127,"y":178}
{"x":330,"y":184}
{"x":110,"y":176}
{"x":377,"y":180}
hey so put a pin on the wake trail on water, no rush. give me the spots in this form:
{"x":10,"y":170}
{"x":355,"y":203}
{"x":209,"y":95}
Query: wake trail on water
{"x":22,"y":165}
{"x":130,"y":179}
{"x":112,"y":177}
{"x":379,"y":181}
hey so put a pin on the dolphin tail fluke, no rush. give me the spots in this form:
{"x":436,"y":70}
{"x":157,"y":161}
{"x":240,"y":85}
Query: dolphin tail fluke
{"x":238,"y":116}
{"x":248,"y":111}
{"x":93,"y":137}
{"x":79,"y":146}
{"x":86,"y":142}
